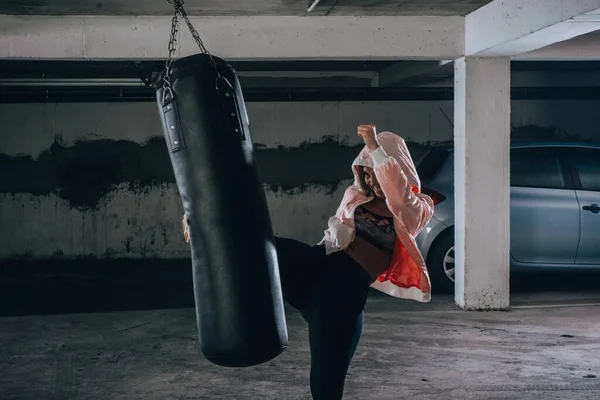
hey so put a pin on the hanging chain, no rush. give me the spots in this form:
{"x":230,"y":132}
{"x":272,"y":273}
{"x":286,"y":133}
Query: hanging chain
{"x":180,"y":10}
{"x":193,"y":31}
{"x":172,"y":49}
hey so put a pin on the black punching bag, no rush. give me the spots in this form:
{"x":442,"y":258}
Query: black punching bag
{"x":239,"y":304}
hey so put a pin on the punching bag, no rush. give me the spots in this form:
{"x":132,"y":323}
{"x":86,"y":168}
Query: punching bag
{"x":238,"y":298}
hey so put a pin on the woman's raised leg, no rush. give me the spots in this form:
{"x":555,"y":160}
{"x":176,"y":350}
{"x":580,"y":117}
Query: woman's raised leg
{"x":298,"y":270}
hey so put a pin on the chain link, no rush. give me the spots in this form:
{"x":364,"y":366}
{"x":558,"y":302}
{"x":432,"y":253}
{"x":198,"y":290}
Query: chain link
{"x":180,"y":10}
{"x":172,"y":49}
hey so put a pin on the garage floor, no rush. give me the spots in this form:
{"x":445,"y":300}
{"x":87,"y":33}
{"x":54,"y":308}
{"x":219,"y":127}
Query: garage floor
{"x":547,"y":347}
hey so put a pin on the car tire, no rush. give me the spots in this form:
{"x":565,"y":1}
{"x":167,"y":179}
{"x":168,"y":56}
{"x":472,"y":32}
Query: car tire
{"x":441,"y":262}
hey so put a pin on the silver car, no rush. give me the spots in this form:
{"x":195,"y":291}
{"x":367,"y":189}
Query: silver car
{"x":554,"y":209}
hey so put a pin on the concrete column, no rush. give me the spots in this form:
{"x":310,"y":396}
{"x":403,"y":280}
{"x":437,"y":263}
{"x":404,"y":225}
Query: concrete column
{"x":482,"y":185}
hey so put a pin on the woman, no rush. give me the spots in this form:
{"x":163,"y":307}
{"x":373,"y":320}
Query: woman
{"x":369,"y":243}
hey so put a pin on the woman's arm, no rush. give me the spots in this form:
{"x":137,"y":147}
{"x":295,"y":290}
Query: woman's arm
{"x":414,"y":209}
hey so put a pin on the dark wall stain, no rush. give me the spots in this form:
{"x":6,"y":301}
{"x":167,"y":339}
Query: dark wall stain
{"x":85,"y":172}
{"x":325,"y":163}
{"x":165,"y":238}
{"x":128,"y":244}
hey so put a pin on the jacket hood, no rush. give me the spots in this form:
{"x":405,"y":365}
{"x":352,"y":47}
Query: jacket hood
{"x":395,"y":147}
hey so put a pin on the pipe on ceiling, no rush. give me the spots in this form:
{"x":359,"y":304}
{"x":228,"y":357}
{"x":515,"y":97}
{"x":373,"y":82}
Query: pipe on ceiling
{"x":312,"y":4}
{"x":44,"y":82}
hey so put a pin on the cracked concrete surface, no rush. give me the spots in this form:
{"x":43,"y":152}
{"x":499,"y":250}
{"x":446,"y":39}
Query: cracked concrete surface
{"x":547,"y":346}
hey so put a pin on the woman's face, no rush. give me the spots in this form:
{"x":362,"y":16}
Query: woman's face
{"x":371,"y":181}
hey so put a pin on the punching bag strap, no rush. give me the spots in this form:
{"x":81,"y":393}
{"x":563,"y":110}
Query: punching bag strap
{"x":169,"y":106}
{"x":167,"y":90}
{"x":231,"y":111}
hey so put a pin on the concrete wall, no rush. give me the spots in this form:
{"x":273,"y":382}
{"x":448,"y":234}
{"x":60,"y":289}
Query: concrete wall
{"x":89,"y":179}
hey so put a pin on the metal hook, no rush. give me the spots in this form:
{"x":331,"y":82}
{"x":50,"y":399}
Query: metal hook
{"x":219,"y":76}
{"x":166,"y":90}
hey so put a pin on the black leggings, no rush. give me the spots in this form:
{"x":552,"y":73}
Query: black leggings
{"x":330,"y":291}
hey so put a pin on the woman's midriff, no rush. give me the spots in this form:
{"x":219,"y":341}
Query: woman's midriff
{"x":374,"y":260}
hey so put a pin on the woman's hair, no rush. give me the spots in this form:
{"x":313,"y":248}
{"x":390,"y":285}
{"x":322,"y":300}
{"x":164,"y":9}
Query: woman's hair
{"x":366,"y":189}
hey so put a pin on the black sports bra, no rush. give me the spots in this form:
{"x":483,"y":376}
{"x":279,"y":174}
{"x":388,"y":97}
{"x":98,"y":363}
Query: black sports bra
{"x":375,"y":229}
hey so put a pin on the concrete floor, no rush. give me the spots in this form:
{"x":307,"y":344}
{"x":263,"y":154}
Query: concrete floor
{"x":547,"y":347}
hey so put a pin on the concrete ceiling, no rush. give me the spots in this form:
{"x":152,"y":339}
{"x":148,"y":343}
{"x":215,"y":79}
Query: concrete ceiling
{"x":243,"y":7}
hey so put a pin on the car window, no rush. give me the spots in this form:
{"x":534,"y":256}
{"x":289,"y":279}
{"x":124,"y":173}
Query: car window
{"x":587,"y":164}
{"x":431,"y":163}
{"x":536,"y":167}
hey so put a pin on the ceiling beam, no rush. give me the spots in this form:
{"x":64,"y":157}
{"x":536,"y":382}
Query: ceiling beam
{"x":511,"y":27}
{"x":580,"y":48}
{"x":233,"y":38}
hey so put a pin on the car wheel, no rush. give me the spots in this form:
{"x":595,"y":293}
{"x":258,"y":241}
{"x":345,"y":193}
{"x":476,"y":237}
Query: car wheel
{"x":441,"y":263}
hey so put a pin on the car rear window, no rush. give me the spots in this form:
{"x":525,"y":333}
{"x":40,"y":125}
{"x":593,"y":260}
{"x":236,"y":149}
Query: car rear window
{"x":587,"y":165}
{"x":536,"y":168}
{"x":431,"y":163}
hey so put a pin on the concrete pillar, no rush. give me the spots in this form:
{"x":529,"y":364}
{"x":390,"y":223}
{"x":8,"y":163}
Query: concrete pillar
{"x":482,"y":185}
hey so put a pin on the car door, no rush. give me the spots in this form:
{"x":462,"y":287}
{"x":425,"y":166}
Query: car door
{"x":544,"y":212}
{"x":585,"y":166}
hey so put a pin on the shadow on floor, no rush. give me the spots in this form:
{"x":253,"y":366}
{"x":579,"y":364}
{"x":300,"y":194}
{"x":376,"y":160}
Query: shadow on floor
{"x":91,"y":285}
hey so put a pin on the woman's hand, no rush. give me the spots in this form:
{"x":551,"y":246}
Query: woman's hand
{"x":368,"y":134}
